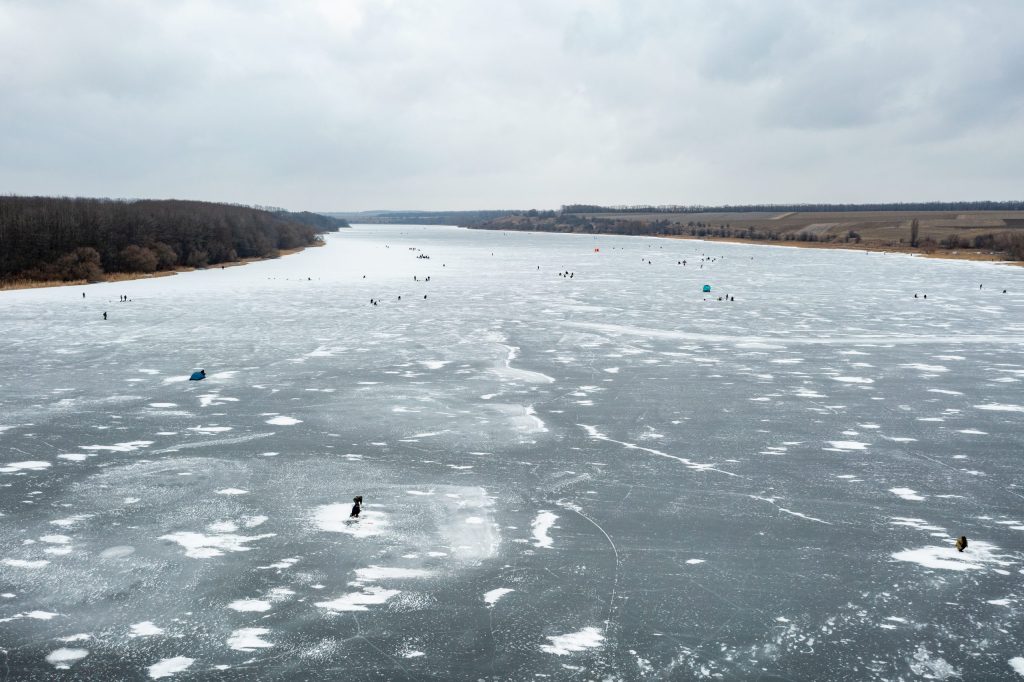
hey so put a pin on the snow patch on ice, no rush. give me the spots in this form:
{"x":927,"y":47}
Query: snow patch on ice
{"x":847,"y":445}
{"x":130,"y":446}
{"x":931,"y":666}
{"x":907,"y":494}
{"x":209,"y":429}
{"x":117,"y":552}
{"x":541,"y":524}
{"x":64,"y":658}
{"x":376,"y":573}
{"x":31,"y":465}
{"x":948,"y":558}
{"x":200,"y":546}
{"x":334,"y":518}
{"x":145,"y":629}
{"x":359,"y":601}
{"x":24,"y":563}
{"x":249,"y":605}
{"x":1000,"y":407}
{"x":926,"y":368}
{"x":248,"y":639}
{"x":561,"y":645}
{"x":169,"y":666}
{"x":283,"y":421}
{"x":492,"y":597}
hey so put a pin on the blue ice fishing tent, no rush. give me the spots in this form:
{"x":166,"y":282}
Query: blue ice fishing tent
{"x":707,"y":289}
{"x":198,"y":376}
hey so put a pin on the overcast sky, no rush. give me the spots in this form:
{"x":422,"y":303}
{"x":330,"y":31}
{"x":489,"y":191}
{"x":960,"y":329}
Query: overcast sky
{"x":457,"y":104}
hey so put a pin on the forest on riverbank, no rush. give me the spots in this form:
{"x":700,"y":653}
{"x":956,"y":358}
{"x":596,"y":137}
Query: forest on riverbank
{"x":48,"y":239}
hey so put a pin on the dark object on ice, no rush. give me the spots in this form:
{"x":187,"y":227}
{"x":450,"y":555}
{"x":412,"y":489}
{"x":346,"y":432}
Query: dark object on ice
{"x":961,"y":543}
{"x":915,"y":295}
{"x":104,"y":315}
{"x":707,"y":288}
{"x":198,"y":376}
{"x":356,"y":507}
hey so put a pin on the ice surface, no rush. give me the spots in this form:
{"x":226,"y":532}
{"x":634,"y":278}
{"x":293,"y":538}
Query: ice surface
{"x":606,"y":477}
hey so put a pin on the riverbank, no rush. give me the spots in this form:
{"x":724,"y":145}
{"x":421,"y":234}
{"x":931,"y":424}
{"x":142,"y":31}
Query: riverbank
{"x":978,"y":235}
{"x":128,"y":276}
{"x":954,"y":254}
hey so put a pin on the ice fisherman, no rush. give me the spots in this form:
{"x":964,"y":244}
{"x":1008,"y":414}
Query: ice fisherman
{"x":356,"y":506}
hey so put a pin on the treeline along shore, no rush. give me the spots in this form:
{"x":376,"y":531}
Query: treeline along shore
{"x":974,"y":230}
{"x":61,"y":240}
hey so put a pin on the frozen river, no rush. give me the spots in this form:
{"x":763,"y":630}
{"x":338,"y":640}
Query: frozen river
{"x":604,"y":476}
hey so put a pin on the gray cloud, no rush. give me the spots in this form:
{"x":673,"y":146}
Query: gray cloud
{"x":457,"y":104}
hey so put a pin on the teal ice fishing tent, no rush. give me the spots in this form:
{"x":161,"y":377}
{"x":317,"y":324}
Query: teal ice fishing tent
{"x":707,"y":289}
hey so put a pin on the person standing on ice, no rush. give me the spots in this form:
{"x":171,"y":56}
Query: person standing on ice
{"x":356,"y":507}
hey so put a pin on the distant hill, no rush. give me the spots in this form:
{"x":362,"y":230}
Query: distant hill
{"x":982,"y":226}
{"x":318,"y":221}
{"x":803,"y":208}
{"x":420,"y":217}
